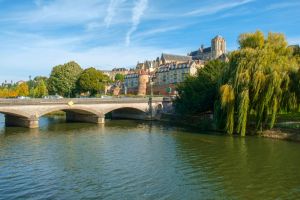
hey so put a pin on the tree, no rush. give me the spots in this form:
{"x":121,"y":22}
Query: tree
{"x":41,"y":78}
{"x":23,"y":89}
{"x":63,"y":79}
{"x":252,"y":40}
{"x":41,"y":89}
{"x":119,"y":77}
{"x":257,"y":81}
{"x":92,"y":80}
{"x":197,"y":94}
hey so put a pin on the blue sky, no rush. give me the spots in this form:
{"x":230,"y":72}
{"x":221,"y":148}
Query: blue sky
{"x":36,"y":35}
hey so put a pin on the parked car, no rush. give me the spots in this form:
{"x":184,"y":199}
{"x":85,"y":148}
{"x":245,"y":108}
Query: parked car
{"x":53,"y":97}
{"x":22,"y":97}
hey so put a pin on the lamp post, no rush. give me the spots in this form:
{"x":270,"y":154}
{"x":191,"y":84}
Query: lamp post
{"x":150,"y":97}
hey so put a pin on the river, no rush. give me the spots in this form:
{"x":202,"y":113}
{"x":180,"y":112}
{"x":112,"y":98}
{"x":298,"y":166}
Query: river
{"x":140,"y":160}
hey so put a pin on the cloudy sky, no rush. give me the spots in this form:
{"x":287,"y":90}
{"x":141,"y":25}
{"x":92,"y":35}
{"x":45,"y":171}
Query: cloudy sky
{"x":36,"y":35}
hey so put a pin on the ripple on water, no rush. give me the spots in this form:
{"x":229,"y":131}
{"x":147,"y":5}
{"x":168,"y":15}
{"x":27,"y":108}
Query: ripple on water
{"x":136,"y":160}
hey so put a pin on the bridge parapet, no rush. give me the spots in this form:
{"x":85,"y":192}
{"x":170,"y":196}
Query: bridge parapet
{"x":76,"y":101}
{"x":26,"y":113}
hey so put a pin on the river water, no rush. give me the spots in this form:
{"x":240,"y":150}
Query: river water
{"x":139,"y":160}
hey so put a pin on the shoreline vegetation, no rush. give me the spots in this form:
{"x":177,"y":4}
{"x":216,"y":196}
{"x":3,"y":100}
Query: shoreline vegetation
{"x":257,"y":91}
{"x":283,"y":130}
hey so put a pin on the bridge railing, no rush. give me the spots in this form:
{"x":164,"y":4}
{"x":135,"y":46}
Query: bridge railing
{"x":76,"y":101}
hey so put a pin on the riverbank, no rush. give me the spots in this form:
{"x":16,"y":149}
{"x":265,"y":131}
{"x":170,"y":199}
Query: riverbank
{"x":282,"y":134}
{"x":286,"y":128}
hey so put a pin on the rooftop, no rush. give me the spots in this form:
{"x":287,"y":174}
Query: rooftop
{"x":178,"y":58}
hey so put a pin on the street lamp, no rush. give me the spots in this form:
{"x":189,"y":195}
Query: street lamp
{"x":151,"y":78}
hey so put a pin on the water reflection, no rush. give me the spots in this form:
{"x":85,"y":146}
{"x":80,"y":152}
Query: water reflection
{"x":140,"y":160}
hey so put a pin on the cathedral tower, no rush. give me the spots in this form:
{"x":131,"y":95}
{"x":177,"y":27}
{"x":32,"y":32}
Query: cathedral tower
{"x":218,"y":47}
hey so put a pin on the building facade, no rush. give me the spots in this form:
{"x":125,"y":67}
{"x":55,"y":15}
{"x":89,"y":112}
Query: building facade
{"x":169,"y":70}
{"x":217,"y":50}
{"x":136,"y":83}
{"x":170,"y":74}
{"x":112,"y":73}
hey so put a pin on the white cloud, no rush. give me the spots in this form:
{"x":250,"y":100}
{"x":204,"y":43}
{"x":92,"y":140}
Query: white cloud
{"x":159,"y":30}
{"x":283,"y":5}
{"x":36,"y":55}
{"x":293,"y":40}
{"x":137,"y":13}
{"x":212,"y":9}
{"x":111,"y":11}
{"x":60,"y":12}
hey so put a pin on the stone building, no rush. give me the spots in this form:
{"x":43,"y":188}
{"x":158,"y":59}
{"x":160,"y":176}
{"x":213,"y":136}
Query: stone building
{"x":169,"y":69}
{"x":136,"y":83}
{"x":171,"y":58}
{"x":217,"y":50}
{"x":171,"y":74}
{"x":152,"y":66}
{"x":148,"y":66}
{"x":131,"y":81}
{"x":112,"y":73}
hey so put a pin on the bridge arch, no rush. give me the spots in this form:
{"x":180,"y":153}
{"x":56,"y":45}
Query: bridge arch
{"x":127,"y":112}
{"x":134,"y":108}
{"x":14,"y":117}
{"x":76,"y":109}
{"x":77,"y":113}
{"x":13,"y":112}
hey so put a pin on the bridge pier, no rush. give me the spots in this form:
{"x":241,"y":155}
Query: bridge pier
{"x":12,"y":120}
{"x":89,"y":118}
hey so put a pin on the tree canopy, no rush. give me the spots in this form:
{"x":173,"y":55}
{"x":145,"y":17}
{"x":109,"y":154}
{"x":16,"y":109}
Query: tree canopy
{"x":40,"y":89}
{"x":198,"y":93}
{"x":63,"y":79}
{"x":92,"y":80}
{"x":257,"y":82}
{"x":119,"y":77}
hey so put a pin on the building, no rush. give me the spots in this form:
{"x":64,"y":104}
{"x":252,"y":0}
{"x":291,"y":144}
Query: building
{"x":169,"y":70}
{"x":217,"y":50}
{"x":170,"y":74}
{"x":171,"y":58}
{"x":148,"y":66}
{"x":136,"y":83}
{"x":132,"y":80}
{"x":20,"y":82}
{"x":112,"y":73}
{"x":154,"y":65}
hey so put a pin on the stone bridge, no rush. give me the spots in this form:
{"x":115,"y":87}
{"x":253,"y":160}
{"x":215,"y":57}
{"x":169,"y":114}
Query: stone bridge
{"x":26,"y":113}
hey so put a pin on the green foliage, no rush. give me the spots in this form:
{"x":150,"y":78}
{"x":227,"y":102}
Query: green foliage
{"x":119,"y":77}
{"x":293,"y":99}
{"x":257,"y":80}
{"x":92,"y":80}
{"x":37,"y":79}
{"x":41,"y":89}
{"x":197,"y":94}
{"x":252,"y":40}
{"x":63,"y":79}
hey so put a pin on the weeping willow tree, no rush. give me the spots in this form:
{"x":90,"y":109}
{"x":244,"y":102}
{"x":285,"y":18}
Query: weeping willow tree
{"x":257,"y":82}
